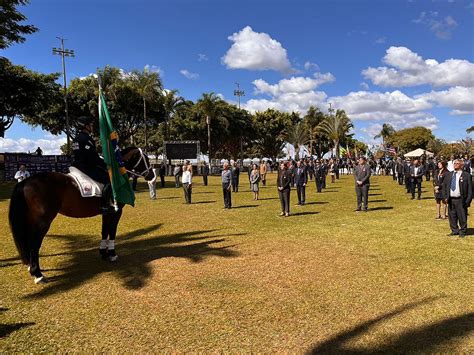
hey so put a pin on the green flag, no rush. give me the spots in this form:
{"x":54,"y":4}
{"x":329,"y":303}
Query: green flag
{"x":121,"y":188}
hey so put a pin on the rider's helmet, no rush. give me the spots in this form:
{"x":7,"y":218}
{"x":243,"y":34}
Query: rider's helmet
{"x":83,"y":121}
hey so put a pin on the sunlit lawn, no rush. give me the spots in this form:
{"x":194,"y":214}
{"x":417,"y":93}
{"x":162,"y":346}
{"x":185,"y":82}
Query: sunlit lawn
{"x":199,"y":277}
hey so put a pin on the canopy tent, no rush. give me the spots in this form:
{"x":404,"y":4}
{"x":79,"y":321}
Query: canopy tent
{"x":418,"y":153}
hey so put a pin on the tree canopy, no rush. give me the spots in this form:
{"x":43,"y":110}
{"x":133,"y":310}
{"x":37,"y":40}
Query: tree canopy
{"x":11,"y":29}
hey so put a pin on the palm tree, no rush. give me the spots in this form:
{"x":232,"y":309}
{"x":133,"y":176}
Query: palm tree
{"x":387,"y":131}
{"x":148,"y":85}
{"x":336,"y":128}
{"x":172,"y":104}
{"x":297,"y":135}
{"x":209,"y":108}
{"x":311,"y":120}
{"x":470,"y":129}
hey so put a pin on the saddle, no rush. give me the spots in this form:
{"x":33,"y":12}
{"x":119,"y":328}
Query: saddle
{"x":87,"y":186}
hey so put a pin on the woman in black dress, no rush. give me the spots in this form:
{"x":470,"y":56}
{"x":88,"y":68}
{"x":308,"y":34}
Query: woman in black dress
{"x":283,"y":184}
{"x":438,"y":178}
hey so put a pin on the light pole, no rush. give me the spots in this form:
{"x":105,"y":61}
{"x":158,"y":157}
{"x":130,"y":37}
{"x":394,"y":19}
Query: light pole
{"x":240,"y":93}
{"x":65,"y":53}
{"x":331,"y":112}
{"x":208,"y":122}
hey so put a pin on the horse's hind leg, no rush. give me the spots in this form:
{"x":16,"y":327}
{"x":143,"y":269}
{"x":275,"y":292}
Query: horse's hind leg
{"x":38,"y":234}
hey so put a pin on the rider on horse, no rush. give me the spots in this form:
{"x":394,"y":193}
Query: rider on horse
{"x":87,"y":160}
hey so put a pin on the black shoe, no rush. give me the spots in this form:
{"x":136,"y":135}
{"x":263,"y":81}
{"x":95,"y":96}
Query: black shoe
{"x":357,"y":210}
{"x":461,"y":235}
{"x":366,"y":209}
{"x":452,"y":234}
{"x":412,"y":198}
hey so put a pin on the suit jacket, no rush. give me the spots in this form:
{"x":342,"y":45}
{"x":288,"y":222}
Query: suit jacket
{"x":465,"y":187}
{"x":420,"y":172}
{"x":301,"y":176}
{"x":407,"y":169}
{"x":362,"y":173}
{"x":284,"y":179}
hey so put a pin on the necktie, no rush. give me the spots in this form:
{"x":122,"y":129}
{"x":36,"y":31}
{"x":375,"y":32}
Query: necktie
{"x":453,"y":181}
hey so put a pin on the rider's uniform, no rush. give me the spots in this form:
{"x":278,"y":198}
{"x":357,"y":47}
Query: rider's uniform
{"x":86,"y":158}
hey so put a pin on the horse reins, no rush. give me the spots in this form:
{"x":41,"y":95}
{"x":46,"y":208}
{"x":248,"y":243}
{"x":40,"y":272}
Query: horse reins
{"x":147,"y":167}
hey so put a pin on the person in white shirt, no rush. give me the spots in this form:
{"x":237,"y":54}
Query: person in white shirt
{"x":152,"y":186}
{"x":451,"y":164}
{"x":22,"y":174}
{"x":186,"y":180}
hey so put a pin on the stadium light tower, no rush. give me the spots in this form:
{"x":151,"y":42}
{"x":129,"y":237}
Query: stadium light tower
{"x":65,"y":53}
{"x":240,"y":93}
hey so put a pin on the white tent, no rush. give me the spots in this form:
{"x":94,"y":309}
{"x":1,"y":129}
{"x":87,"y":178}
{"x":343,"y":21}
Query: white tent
{"x":418,"y":153}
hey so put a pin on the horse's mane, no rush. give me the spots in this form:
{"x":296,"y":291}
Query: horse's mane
{"x":127,"y":150}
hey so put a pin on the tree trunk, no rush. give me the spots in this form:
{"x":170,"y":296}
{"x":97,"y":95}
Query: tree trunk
{"x":208,"y":120}
{"x":336,"y":145}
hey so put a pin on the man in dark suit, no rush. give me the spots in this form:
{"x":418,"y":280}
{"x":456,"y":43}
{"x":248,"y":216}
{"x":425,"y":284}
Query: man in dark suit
{"x":406,"y":174}
{"x":362,"y":180}
{"x":235,"y":177}
{"x":319,"y":175}
{"x":416,"y":176}
{"x":162,"y":174}
{"x":205,"y":173}
{"x":301,"y":179}
{"x":457,"y":191}
{"x":400,"y":171}
{"x":284,"y":187}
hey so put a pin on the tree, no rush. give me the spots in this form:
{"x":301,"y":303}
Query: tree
{"x":387,"y":131}
{"x":409,"y":139}
{"x":470,"y":129}
{"x":435,"y":145}
{"x":172,"y":104}
{"x":268,"y":127}
{"x":297,"y":135}
{"x":25,"y":94}
{"x":11,"y":31}
{"x":336,"y":128}
{"x":149,"y":87}
{"x":311,"y":120}
{"x":209,"y":108}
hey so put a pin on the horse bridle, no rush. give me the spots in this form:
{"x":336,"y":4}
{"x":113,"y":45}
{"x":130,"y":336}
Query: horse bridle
{"x":147,"y":167}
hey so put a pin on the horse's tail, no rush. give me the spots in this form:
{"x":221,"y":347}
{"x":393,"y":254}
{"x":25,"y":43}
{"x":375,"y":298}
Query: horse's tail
{"x":18,"y":225}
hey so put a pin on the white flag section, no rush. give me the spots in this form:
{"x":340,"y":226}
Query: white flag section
{"x":290,"y":151}
{"x":303,"y":152}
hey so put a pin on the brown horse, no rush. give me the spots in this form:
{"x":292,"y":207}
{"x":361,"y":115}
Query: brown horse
{"x":36,"y":201}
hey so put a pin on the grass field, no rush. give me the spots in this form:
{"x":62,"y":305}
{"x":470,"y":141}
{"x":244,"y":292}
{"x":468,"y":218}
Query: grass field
{"x":198,"y":277}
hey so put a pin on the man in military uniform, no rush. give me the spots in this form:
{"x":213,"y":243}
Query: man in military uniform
{"x":87,"y":160}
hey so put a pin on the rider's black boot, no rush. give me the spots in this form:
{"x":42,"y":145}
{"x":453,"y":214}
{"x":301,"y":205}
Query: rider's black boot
{"x":106,"y":199}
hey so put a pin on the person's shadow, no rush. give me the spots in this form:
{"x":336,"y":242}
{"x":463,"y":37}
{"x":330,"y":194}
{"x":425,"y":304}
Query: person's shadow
{"x":135,"y":255}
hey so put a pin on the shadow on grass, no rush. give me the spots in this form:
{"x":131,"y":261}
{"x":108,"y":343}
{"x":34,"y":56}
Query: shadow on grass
{"x":135,"y":255}
{"x":316,"y":203}
{"x":268,"y":198}
{"x":374,"y":201}
{"x":200,"y":202}
{"x":168,"y":198}
{"x":375,"y":194}
{"x":244,"y":206}
{"x":6,"y":189}
{"x":204,"y":192}
{"x":470,"y":231}
{"x":380,"y":208}
{"x":7,"y":329}
{"x":302,"y":213}
{"x":425,"y":339}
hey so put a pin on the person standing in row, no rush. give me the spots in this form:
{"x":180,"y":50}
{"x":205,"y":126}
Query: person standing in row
{"x":152,"y":186}
{"x":263,"y":172}
{"x":254,"y":180}
{"x":332,"y":170}
{"x":162,"y":174}
{"x":22,"y":174}
{"x":319,"y":176}
{"x":416,"y":175}
{"x":235,"y":177}
{"x":301,"y":179}
{"x":362,"y":180}
{"x":186,"y":180}
{"x":283,"y":183}
{"x":205,"y":173}
{"x":227,"y":186}
{"x":406,"y":173}
{"x":400,"y":171}
{"x":457,"y":191}
{"x":438,"y":179}
{"x":176,"y":173}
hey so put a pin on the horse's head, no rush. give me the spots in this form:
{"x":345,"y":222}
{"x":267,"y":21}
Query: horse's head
{"x":137,"y":163}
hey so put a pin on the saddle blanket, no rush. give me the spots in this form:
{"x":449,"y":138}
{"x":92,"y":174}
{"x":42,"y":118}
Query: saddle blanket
{"x":87,"y":186}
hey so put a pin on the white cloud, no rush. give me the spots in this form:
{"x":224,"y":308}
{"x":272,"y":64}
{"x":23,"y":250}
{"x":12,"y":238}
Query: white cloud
{"x":364,"y":85}
{"x":460,"y":99}
{"x":186,"y":73}
{"x":369,"y":105}
{"x":381,"y":40}
{"x":202,"y":57}
{"x":409,"y":69}
{"x":154,"y":69}
{"x":311,"y":66}
{"x":256,"y":51}
{"x":297,"y":84}
{"x":49,"y":144}
{"x":442,"y":28}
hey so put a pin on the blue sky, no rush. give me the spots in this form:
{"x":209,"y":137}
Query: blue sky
{"x":402,"y":62}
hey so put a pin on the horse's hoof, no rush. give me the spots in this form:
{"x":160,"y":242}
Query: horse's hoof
{"x":113,"y":258}
{"x":40,"y":280}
